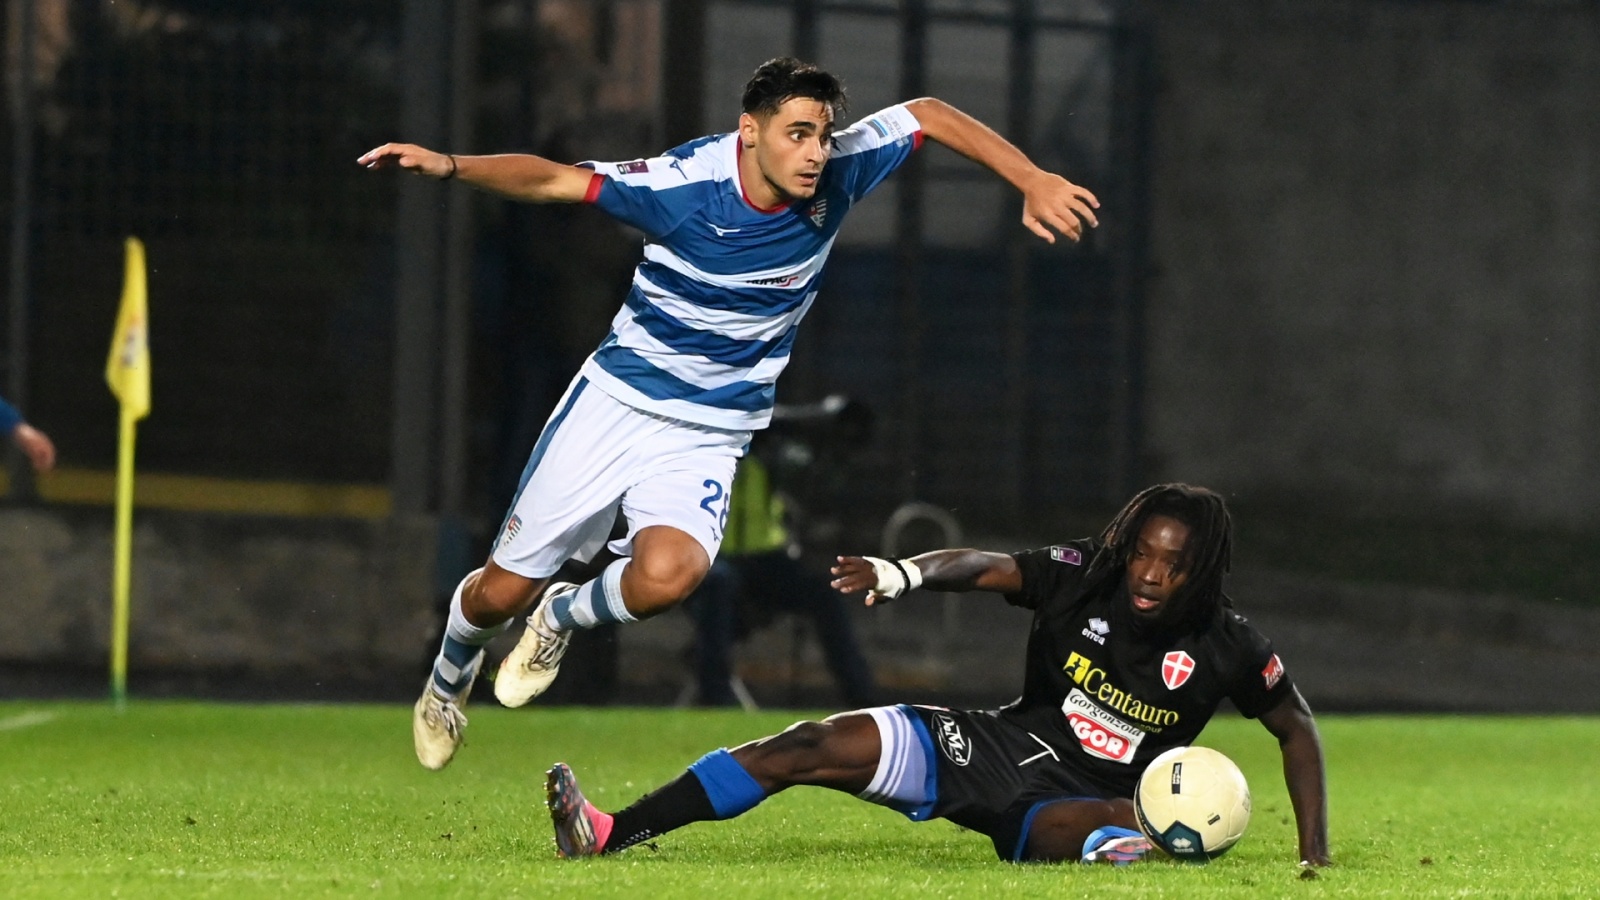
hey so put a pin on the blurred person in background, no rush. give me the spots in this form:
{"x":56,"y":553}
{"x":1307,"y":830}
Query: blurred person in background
{"x":1133,"y":647}
{"x":34,"y":444}
{"x":760,"y":574}
{"x":738,"y":228}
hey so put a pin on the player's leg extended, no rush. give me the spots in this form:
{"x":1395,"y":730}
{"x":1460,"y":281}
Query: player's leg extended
{"x":481,"y":608}
{"x":1087,"y":830}
{"x":666,"y":567}
{"x":675,"y":510}
{"x":843,"y":752}
{"x":564,"y":506}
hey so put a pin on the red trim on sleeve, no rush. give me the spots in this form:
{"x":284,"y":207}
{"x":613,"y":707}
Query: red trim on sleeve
{"x":593,"y":193}
{"x":916,"y":140}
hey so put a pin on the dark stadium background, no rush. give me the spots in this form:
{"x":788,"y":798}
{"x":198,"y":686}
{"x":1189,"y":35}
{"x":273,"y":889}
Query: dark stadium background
{"x":1347,"y":276}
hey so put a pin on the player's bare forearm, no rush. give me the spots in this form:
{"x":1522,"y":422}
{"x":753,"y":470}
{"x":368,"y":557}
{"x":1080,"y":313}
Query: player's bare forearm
{"x":1303,"y":774}
{"x":1049,"y":201}
{"x":520,"y":176}
{"x":969,"y":570}
{"x":942,"y":570}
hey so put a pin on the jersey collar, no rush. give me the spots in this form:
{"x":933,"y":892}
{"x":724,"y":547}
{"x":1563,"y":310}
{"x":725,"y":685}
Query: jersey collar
{"x":738,"y":178}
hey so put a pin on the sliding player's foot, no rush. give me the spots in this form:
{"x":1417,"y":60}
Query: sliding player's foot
{"x":1118,"y":846}
{"x":576,"y":820}
{"x":534,"y":662}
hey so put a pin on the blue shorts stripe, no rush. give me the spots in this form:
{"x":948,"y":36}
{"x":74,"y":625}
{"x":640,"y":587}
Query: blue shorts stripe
{"x":930,"y":784}
{"x":541,"y":445}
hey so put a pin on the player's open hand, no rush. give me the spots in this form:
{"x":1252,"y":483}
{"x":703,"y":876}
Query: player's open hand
{"x":882,"y":579}
{"x":855,"y":573}
{"x":409,"y":157}
{"x":1052,"y":202}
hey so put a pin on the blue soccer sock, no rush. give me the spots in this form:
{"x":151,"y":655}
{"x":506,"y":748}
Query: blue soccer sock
{"x":458,"y":659}
{"x":715,"y":787}
{"x":728,"y":786}
{"x":595,"y":602}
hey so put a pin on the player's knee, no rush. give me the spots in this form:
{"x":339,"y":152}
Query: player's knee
{"x":788,"y":757}
{"x":496,"y":595}
{"x":806,"y":736}
{"x":659,"y":581}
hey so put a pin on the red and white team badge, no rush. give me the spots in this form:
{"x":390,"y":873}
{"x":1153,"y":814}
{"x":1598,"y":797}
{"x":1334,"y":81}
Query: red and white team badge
{"x":819,"y":212}
{"x":1272,"y":672}
{"x":513,"y":525}
{"x":1176,"y":667}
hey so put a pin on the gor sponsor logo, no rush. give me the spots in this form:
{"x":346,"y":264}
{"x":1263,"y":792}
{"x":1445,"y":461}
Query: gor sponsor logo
{"x":1098,"y":732}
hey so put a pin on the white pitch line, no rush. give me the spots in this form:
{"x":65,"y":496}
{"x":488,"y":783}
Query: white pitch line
{"x":26,"y":720}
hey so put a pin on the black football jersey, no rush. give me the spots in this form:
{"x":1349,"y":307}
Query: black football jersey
{"x":1112,"y":694}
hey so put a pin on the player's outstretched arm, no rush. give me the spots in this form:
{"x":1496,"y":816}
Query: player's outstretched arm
{"x":1291,"y":723}
{"x":1048,"y":200}
{"x":520,"y":176}
{"x":941,"y":570}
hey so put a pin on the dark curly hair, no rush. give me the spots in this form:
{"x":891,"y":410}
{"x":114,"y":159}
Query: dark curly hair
{"x":778,"y":80}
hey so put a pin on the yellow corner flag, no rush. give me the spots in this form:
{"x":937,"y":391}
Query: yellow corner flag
{"x":128,"y":374}
{"x":128,"y":367}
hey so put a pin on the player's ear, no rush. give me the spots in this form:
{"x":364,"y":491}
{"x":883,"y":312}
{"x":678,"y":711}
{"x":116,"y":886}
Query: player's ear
{"x":748,"y":129}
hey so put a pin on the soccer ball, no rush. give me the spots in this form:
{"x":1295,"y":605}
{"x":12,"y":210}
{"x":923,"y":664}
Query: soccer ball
{"x":1193,"y":803}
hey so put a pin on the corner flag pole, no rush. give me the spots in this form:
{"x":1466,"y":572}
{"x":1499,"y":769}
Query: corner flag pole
{"x":128,"y":375}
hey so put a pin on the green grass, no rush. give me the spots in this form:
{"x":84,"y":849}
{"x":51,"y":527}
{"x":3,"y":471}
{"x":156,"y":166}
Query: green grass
{"x":196,"y":799}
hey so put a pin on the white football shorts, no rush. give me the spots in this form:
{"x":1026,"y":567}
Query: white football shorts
{"x":596,"y":455}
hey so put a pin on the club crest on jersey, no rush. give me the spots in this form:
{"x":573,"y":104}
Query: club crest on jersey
{"x":818,"y":212}
{"x":1069,"y":555}
{"x":1097,"y":630}
{"x":1176,"y":667}
{"x":951,"y":740}
{"x":513,"y":525}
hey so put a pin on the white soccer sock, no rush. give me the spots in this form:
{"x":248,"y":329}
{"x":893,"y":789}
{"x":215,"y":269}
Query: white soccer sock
{"x":595,"y":602}
{"x":458,"y":659}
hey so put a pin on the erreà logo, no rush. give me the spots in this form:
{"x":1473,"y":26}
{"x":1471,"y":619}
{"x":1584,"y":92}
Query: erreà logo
{"x":819,"y":212}
{"x":951,"y":740}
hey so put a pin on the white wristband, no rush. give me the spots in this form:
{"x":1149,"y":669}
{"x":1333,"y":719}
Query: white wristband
{"x":895,"y":577}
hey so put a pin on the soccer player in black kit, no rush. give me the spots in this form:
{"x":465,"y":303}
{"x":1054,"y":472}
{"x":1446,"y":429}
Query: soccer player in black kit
{"x":1132,"y":648}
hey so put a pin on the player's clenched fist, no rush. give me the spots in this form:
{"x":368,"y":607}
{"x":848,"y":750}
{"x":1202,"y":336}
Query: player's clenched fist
{"x":882,"y":579}
{"x":409,"y":157}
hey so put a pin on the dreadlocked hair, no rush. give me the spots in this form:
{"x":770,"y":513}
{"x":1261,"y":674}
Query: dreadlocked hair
{"x":1207,"y":555}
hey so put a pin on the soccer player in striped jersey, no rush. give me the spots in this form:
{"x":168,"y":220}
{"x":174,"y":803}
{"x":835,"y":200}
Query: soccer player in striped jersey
{"x":737,"y":230}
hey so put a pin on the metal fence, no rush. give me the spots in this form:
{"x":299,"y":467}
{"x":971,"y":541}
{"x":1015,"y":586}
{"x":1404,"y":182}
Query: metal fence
{"x":307,"y":324}
{"x":1005,"y":371}
{"x":224,"y":136}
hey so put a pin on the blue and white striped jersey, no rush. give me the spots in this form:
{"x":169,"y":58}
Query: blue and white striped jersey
{"x":711,"y":316}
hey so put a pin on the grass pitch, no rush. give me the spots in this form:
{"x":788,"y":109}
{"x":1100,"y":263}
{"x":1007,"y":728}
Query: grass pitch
{"x":198,"y":799}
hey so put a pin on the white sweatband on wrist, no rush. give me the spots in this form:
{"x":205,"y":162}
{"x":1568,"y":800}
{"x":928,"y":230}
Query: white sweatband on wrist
{"x":895,"y":576}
